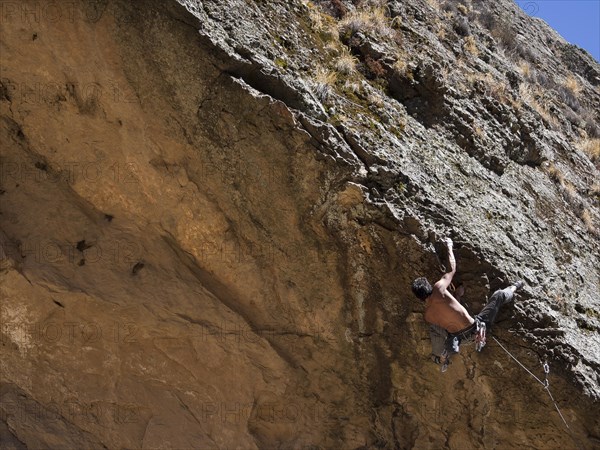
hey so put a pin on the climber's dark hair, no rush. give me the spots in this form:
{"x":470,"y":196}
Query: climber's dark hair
{"x":421,"y":288}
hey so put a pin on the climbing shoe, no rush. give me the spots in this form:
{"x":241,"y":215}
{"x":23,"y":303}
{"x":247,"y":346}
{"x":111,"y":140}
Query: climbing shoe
{"x":519,"y":284}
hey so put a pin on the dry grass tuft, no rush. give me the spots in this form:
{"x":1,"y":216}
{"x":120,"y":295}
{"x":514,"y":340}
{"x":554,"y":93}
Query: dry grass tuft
{"x":372,"y":20}
{"x":591,"y":147}
{"x":572,"y":84}
{"x":524,"y":68}
{"x":555,"y":174}
{"x":346,"y":63}
{"x":401,"y":65}
{"x":396,"y":23}
{"x":570,"y":193}
{"x":495,"y":88}
{"x":322,"y":23}
{"x":478,"y":130}
{"x":323,"y":82}
{"x":540,"y":100}
{"x":316,"y":19}
{"x":441,"y":34}
{"x":434,"y":4}
{"x":587,"y":220}
{"x":376,"y":99}
{"x":325,"y":76}
{"x":463,"y":9}
{"x":470,"y":46}
{"x":353,"y":87}
{"x":339,"y":119}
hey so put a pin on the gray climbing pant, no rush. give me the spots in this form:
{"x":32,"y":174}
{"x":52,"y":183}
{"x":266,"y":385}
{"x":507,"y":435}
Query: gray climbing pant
{"x":496,"y":301}
{"x":438,"y":336}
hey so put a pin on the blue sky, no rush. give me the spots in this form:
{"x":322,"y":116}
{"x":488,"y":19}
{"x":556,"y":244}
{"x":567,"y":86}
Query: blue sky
{"x":578,"y":21}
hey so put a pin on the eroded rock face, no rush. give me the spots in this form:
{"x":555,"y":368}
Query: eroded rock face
{"x":204,"y":247}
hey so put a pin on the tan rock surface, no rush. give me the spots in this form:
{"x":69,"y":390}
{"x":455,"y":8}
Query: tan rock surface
{"x":186,"y":266}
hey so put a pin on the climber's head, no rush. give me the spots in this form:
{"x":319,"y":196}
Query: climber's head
{"x":421,"y":288}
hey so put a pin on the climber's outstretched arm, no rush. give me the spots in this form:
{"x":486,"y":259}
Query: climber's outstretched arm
{"x":445,"y":281}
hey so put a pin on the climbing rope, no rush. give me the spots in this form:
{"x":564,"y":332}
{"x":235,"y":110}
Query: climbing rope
{"x":544,"y":383}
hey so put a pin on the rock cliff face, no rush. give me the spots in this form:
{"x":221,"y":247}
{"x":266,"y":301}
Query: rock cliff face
{"x":212,"y":212}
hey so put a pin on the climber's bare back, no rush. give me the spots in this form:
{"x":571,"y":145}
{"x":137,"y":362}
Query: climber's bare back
{"x":442,"y":309}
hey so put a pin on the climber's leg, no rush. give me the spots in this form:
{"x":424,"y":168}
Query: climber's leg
{"x":498,"y":298}
{"x":438,"y":339}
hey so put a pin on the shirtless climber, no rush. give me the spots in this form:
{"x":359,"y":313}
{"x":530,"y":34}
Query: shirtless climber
{"x":450,"y":322}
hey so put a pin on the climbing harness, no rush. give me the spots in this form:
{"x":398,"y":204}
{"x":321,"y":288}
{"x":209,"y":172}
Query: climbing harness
{"x":480,"y":336}
{"x":475,"y":333}
{"x":444,"y":361}
{"x":544,"y":383}
{"x":546,"y":372}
